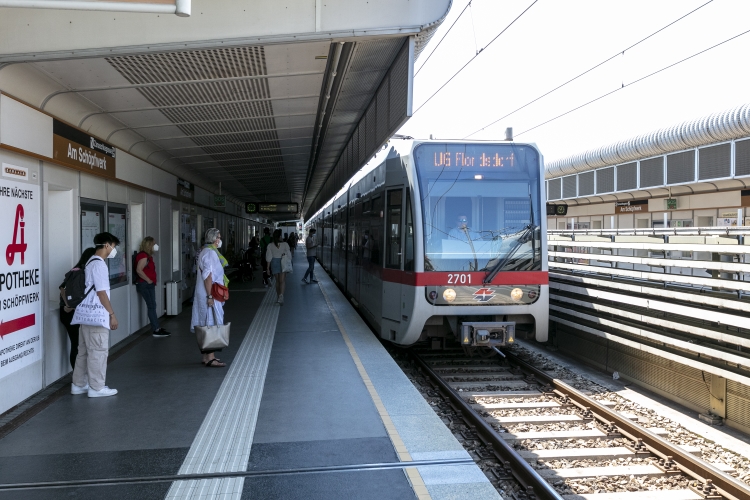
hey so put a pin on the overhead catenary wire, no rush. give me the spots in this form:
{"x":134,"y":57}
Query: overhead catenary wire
{"x":475,"y":56}
{"x":619,"y":53}
{"x":443,"y":38}
{"x":624,"y":86}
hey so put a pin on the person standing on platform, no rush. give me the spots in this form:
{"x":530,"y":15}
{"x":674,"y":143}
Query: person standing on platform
{"x":210,"y":265}
{"x":90,"y":372}
{"x":276,"y":250}
{"x":264,"y":242}
{"x":292,"y":243}
{"x":312,"y":251}
{"x":146,"y":283}
{"x":66,"y":313}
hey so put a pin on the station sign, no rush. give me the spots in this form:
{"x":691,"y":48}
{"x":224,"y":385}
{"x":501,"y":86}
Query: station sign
{"x":185,"y":190}
{"x":631,"y":206}
{"x":270,"y":208}
{"x":20,"y":275}
{"x":76,"y":149}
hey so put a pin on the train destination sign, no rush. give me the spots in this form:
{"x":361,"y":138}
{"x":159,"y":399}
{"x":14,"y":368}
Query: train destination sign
{"x":256,"y":207}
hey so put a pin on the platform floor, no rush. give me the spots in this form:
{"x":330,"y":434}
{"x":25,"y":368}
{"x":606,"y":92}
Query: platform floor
{"x":310,"y":406}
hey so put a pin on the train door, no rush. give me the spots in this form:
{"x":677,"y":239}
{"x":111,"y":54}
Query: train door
{"x":392,"y":272}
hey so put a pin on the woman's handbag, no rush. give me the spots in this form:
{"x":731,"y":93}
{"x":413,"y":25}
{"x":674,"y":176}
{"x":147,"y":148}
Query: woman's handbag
{"x":286,"y":263}
{"x":212,"y":337}
{"x":91,"y":312}
{"x":219,"y":292}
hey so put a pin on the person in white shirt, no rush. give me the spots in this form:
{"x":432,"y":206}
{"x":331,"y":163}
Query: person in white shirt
{"x":276,"y":250}
{"x":210,"y":270}
{"x":312,"y":251}
{"x":90,"y":372}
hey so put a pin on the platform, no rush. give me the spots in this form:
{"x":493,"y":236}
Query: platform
{"x":310,"y":406}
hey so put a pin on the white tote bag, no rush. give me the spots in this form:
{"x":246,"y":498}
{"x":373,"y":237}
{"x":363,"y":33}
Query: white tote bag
{"x":286,"y":263}
{"x":91,"y":312}
{"x":214,"y":336}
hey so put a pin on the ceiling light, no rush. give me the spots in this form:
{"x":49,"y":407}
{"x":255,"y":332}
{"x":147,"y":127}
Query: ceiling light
{"x":321,"y":57}
{"x":478,"y":177}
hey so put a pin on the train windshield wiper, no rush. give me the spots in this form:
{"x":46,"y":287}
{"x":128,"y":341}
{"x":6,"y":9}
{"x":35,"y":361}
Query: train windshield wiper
{"x":528,"y":233}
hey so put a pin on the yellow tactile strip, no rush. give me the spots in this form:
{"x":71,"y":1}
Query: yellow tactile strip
{"x":417,"y":483}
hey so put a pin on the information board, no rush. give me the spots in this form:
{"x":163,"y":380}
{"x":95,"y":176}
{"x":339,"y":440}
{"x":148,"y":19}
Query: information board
{"x":20,"y":276}
{"x":255,"y":207}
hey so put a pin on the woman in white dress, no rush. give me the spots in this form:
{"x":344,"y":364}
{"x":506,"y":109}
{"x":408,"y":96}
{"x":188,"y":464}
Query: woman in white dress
{"x":210,"y":270}
{"x":276,"y":250}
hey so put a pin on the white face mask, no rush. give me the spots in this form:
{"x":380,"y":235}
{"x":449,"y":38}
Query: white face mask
{"x":113,"y":253}
{"x":156,"y":248}
{"x":218,"y":245}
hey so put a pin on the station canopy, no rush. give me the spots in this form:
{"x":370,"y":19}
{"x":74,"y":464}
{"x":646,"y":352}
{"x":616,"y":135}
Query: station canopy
{"x":276,"y":101}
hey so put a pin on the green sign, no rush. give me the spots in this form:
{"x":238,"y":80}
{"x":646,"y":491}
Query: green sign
{"x":220,"y":201}
{"x":251,"y":207}
{"x":671,"y":203}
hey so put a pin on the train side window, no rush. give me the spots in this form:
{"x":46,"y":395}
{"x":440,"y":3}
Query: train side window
{"x":409,"y":233}
{"x":393,"y":230}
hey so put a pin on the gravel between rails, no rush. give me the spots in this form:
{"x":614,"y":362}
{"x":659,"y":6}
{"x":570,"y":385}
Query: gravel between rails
{"x":501,"y":478}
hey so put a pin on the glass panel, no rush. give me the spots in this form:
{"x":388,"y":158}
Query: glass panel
{"x":176,"y":240}
{"x":481,"y":206}
{"x":117,"y":225}
{"x":409,"y":233}
{"x":393,"y":230}
{"x":92,"y":223}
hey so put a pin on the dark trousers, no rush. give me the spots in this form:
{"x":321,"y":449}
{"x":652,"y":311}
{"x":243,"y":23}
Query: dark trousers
{"x":73,"y":330}
{"x":266,"y":276}
{"x":148,"y":292}
{"x":310,"y":268}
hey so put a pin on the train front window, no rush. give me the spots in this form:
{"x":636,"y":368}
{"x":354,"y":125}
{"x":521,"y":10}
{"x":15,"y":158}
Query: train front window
{"x":480,"y":206}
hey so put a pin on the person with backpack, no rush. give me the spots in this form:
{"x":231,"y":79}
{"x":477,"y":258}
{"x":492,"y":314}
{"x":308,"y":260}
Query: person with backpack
{"x":146,"y":282}
{"x":90,"y":372}
{"x":67,"y":309}
{"x":275,"y":252}
{"x":264,"y":242}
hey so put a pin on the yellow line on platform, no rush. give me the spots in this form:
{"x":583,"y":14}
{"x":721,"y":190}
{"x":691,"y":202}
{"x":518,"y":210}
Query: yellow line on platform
{"x":415,"y":478}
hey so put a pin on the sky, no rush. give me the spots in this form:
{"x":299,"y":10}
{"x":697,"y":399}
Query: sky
{"x":556,"y":40}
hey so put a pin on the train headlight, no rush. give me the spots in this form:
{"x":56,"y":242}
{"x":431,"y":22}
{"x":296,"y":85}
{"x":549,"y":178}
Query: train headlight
{"x":449,"y":295}
{"x":516,"y":294}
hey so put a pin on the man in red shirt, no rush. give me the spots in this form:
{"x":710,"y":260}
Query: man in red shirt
{"x":146,"y":283}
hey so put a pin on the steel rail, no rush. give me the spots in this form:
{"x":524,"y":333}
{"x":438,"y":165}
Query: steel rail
{"x":521,"y":469}
{"x":727,"y":485}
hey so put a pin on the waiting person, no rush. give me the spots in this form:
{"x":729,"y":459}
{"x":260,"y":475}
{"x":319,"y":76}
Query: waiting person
{"x":66,"y":313}
{"x":292,"y":243}
{"x":312,"y":251}
{"x":252,"y":249}
{"x":146,"y":284}
{"x":264,"y":242}
{"x":276,"y":250}
{"x":90,"y":372}
{"x":210,"y":267}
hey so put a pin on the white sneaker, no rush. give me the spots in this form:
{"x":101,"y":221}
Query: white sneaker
{"x":102,"y":393}
{"x":75,"y":390}
{"x":281,"y":300}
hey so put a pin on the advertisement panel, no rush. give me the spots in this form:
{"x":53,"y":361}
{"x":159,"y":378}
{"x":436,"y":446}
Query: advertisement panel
{"x":20,"y":276}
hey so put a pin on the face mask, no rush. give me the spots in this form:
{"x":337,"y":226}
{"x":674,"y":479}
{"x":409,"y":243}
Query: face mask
{"x":218,"y":245}
{"x":113,"y":253}
{"x":156,"y":248}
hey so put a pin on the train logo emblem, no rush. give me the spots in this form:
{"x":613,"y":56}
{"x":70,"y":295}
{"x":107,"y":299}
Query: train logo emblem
{"x":484,"y":294}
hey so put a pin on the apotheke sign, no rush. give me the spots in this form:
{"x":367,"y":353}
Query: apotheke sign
{"x":77,"y":149}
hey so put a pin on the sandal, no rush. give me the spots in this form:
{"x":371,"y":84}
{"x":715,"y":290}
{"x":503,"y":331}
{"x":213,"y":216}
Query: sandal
{"x":204,"y":362}
{"x":214,"y":363}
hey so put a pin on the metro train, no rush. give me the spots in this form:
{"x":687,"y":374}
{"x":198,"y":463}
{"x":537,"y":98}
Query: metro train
{"x":446,"y":241}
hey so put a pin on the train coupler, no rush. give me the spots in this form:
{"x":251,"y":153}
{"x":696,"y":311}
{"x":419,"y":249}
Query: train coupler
{"x":488,"y":334}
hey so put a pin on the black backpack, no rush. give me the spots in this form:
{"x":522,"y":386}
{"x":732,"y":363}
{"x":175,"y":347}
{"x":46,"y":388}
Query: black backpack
{"x":74,"y":286}
{"x":134,"y":265}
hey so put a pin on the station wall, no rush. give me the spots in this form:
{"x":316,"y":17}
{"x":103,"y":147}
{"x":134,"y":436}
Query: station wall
{"x":145,"y":195}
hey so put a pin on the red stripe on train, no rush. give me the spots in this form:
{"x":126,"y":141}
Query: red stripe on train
{"x":458,"y":279}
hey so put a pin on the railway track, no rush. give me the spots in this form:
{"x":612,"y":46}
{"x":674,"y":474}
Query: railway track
{"x":557,"y":441}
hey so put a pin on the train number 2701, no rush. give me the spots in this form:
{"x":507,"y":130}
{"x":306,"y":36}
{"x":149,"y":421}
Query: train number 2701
{"x":459,"y":279}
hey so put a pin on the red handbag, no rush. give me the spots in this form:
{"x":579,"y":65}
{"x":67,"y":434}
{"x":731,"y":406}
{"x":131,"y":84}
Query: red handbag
{"x":219,"y":292}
